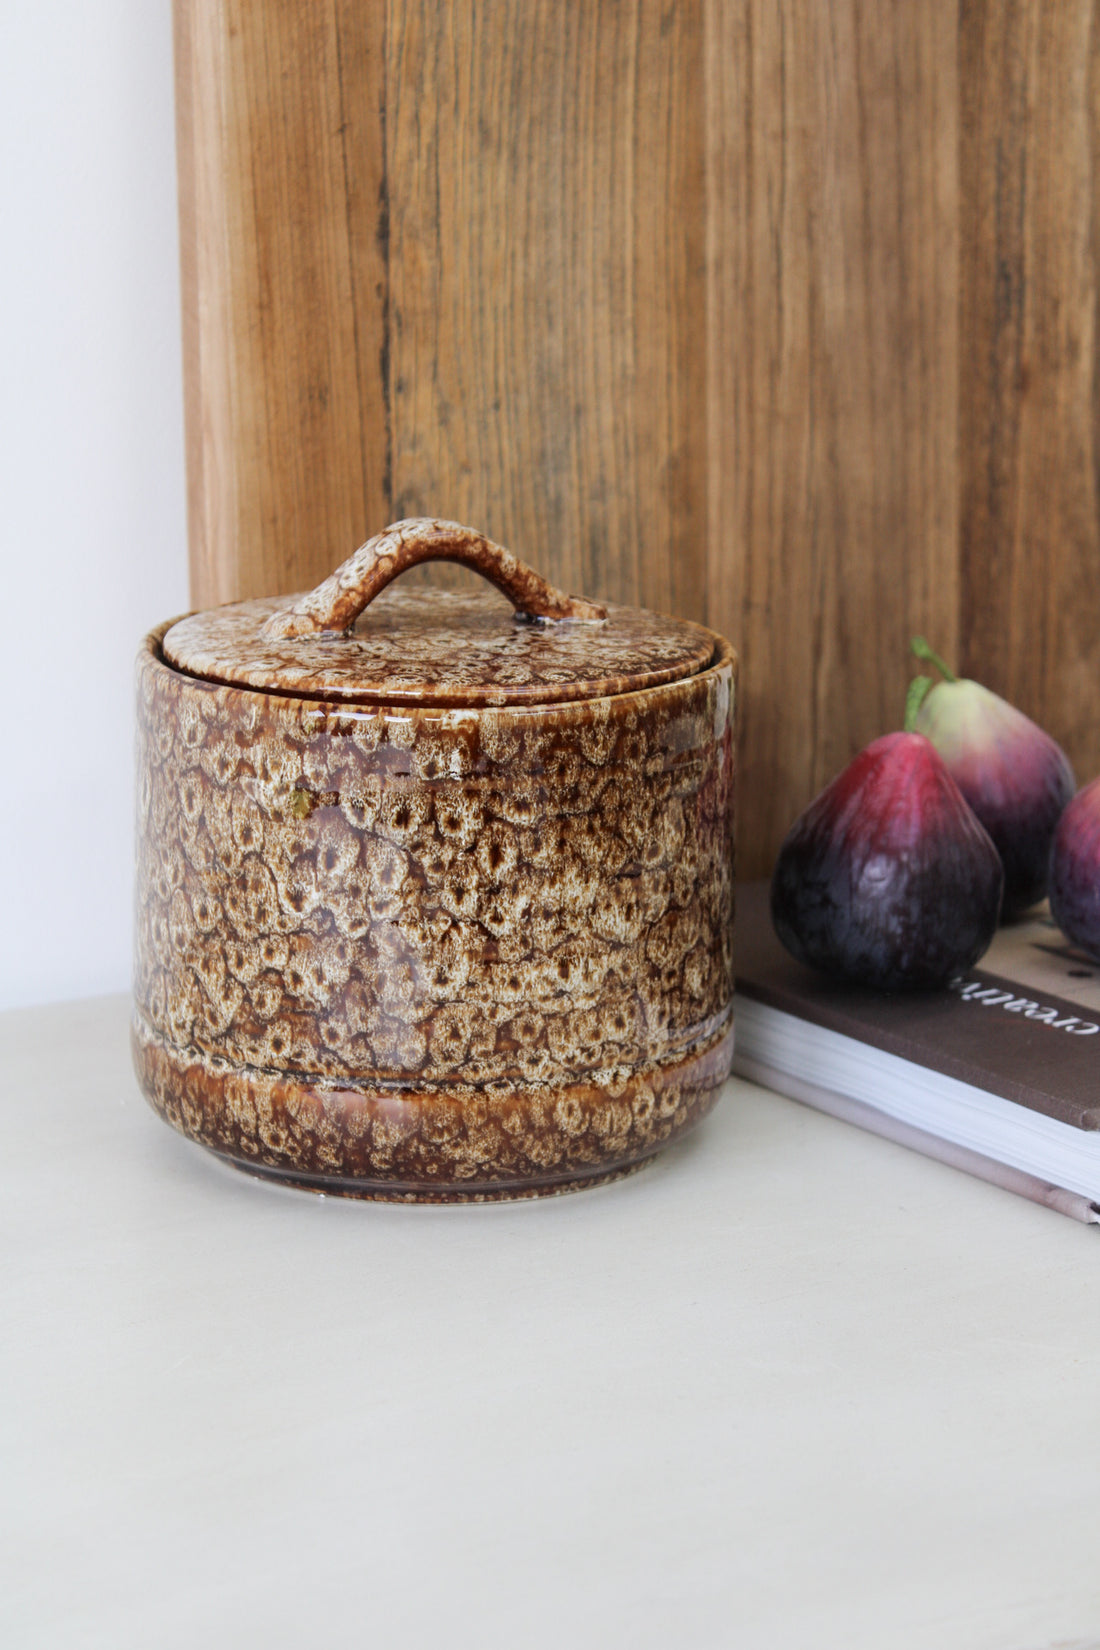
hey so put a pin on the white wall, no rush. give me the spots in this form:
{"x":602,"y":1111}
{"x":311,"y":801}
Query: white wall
{"x":92,"y":528}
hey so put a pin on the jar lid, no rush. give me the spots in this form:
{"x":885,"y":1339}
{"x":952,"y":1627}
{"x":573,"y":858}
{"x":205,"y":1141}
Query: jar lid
{"x":436,"y":647}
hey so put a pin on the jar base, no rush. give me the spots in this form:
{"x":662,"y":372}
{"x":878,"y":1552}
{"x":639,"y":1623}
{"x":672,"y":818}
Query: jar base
{"x":382,"y":1191}
{"x":429,"y":1144}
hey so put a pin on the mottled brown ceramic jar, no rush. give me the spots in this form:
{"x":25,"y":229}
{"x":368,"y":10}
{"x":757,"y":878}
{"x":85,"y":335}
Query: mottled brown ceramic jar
{"x":434,"y":890}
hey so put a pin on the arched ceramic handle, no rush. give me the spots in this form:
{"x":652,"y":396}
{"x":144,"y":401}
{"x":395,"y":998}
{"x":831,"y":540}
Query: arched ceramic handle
{"x":337,"y":603}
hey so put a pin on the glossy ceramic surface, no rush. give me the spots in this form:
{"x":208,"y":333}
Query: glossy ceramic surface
{"x":431,"y":951}
{"x":414,"y":647}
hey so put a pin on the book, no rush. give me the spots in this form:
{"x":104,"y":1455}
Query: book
{"x":997,"y":1074}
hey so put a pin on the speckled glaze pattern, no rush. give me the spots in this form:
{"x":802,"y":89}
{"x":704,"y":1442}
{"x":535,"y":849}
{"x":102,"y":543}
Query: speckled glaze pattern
{"x":455,"y":647}
{"x":433,"y":953}
{"x":337,"y":601}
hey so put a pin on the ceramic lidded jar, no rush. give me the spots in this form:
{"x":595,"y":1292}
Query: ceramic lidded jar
{"x":434,"y":889}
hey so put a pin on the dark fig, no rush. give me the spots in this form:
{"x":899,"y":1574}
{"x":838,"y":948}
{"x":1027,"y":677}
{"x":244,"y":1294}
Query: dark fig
{"x":888,"y":878}
{"x":1075,"y":871}
{"x":1014,"y":776}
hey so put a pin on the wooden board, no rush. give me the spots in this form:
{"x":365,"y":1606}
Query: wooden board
{"x":1030,"y":373}
{"x":282,"y":243}
{"x":833,"y":346}
{"x":445,"y":261}
{"x":545,"y":171}
{"x":771,"y":313}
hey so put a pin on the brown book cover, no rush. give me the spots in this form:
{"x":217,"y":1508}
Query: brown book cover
{"x":1024,"y":1026}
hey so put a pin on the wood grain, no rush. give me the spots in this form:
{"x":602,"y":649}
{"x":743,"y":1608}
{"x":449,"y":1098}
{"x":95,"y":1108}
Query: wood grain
{"x":768,"y":312}
{"x":832,"y":257}
{"x":546,"y":189}
{"x":445,"y":261}
{"x":283,"y":289}
{"x":1030,"y":377}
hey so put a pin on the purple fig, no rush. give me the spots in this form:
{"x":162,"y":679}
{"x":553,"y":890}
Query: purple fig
{"x":888,"y":878}
{"x":1014,"y":776}
{"x":1075,"y":871}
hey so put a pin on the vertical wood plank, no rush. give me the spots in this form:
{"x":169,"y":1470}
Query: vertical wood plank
{"x":832,"y":254}
{"x":1029,"y":379}
{"x":664,"y":296}
{"x":546,"y":189}
{"x":284,"y":288}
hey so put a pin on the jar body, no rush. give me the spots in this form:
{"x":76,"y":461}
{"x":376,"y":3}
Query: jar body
{"x":436,"y":954}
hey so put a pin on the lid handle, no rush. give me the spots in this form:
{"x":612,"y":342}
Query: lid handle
{"x":338,"y":601}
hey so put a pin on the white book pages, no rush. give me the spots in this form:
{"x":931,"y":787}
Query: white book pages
{"x":996,"y":1139}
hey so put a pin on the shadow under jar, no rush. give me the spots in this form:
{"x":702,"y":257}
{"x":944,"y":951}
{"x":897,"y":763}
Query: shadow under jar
{"x":434,"y":890}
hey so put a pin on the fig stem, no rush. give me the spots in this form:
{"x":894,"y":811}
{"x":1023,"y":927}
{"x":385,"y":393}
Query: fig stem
{"x":914,"y":699}
{"x":922,"y":650}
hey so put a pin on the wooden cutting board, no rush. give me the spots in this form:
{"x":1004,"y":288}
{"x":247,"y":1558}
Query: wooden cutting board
{"x":775,"y":314}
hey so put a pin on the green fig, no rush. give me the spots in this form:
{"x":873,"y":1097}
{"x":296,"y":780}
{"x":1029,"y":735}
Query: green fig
{"x":1014,"y":776}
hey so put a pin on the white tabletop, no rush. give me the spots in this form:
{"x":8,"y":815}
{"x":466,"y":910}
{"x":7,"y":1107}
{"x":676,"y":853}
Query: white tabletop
{"x":791,"y":1386}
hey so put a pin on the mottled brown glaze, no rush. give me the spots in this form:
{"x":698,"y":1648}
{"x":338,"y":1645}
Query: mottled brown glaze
{"x":433,"y":1144}
{"x":441,"y":647}
{"x":338,"y":601}
{"x":434,"y":952}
